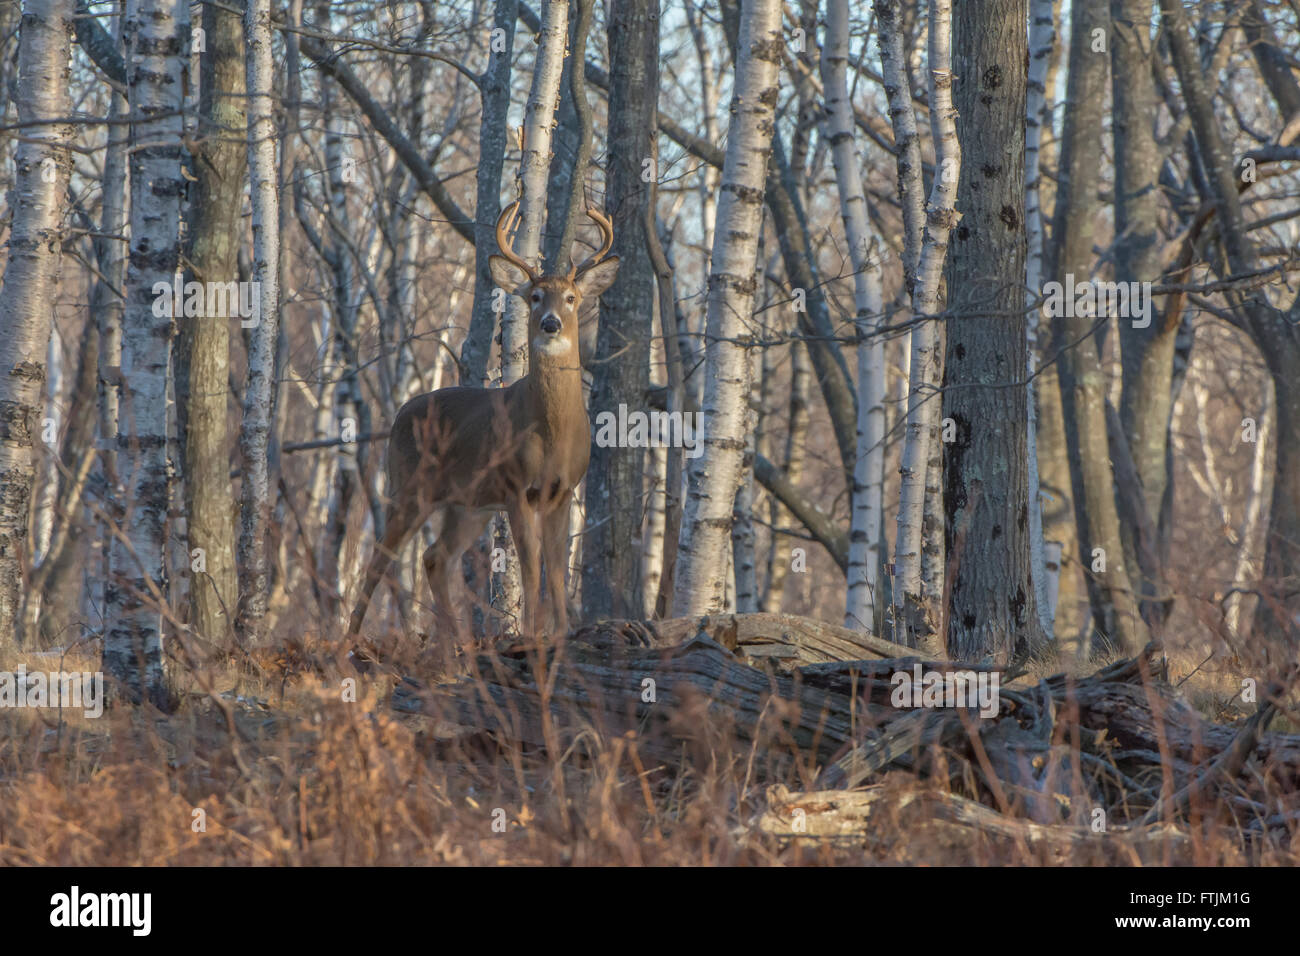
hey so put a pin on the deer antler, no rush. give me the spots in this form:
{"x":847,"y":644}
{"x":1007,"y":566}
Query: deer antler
{"x":607,"y":230}
{"x":506,"y":225}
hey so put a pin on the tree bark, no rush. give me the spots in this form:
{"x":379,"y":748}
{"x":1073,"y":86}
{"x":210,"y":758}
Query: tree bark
{"x":495,"y":96}
{"x":156,"y":33}
{"x":1147,"y":354}
{"x":1042,"y":37}
{"x":868,"y":299}
{"x":203,"y":374}
{"x":621,"y":371}
{"x":924,"y":410}
{"x":254,"y":435}
{"x":992,"y":609}
{"x":31,"y":275}
{"x":1082,"y":383}
{"x":713,"y":477}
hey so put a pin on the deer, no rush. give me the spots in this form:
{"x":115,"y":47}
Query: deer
{"x":466,"y":453}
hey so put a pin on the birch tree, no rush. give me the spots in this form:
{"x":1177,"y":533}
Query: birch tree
{"x":1042,"y":36}
{"x":254,"y":434}
{"x":534,"y":168}
{"x":869,"y":470}
{"x":923,"y":406}
{"x":156,"y":34}
{"x":43,"y":164}
{"x":713,"y":477}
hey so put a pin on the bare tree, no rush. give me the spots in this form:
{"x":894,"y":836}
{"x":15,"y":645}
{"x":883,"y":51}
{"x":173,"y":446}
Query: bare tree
{"x":255,"y":431}
{"x":203,"y":343}
{"x":621,"y":366}
{"x":31,"y":273}
{"x":44,"y":164}
{"x":868,"y":299}
{"x":1042,"y":37}
{"x":923,"y":407}
{"x":714,"y":476}
{"x":1083,"y":396}
{"x":992,"y":607}
{"x":157,"y":35}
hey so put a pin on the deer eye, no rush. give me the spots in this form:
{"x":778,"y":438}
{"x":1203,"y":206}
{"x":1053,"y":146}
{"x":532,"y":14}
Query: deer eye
{"x":537,"y":297}
{"x":570,"y":298}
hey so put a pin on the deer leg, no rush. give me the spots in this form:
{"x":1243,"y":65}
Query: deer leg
{"x":555,"y":553}
{"x":401,"y":519}
{"x":460,"y":528}
{"x":524,"y":520}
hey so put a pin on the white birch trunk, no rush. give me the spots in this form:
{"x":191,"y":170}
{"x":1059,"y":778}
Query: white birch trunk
{"x":48,"y":496}
{"x":744,"y":560}
{"x":656,"y":459}
{"x":700,"y":583}
{"x":868,"y":299}
{"x":1042,"y":37}
{"x":255,"y":430}
{"x":114,"y":220}
{"x":801,"y":376}
{"x":534,"y":174}
{"x":43,"y":164}
{"x":157,"y":38}
{"x":708,"y":187}
{"x":534,"y":171}
{"x":923,"y":404}
{"x":1240,"y":607}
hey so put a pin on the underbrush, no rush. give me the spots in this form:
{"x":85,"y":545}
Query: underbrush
{"x":293,"y":760}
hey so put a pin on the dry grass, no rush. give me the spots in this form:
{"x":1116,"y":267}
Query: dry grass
{"x":285,"y":772}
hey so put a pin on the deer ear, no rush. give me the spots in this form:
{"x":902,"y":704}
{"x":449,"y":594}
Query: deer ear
{"x":598,"y":278}
{"x":507,"y":275}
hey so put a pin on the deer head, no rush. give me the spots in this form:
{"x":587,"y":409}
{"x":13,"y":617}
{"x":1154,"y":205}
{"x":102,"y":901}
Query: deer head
{"x":553,"y":300}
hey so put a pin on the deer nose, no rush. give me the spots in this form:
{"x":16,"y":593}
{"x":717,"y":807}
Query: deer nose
{"x":549,"y":324}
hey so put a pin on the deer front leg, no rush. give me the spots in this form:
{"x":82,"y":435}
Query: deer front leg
{"x":555,"y":552}
{"x":524,"y":520}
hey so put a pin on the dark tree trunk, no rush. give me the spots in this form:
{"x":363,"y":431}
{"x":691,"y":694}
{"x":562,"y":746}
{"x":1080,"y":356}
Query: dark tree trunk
{"x":610,"y":559}
{"x":1148,"y":353}
{"x":1082,"y":384}
{"x":203,"y":343}
{"x":991,"y":607}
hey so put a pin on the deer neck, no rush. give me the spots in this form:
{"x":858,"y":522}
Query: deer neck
{"x":553,"y":390}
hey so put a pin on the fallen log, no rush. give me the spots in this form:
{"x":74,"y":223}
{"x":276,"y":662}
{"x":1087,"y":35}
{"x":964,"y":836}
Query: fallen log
{"x":775,"y":689}
{"x":947,"y":828}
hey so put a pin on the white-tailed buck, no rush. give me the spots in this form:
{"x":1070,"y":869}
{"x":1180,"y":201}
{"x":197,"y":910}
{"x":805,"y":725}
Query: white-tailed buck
{"x":467,"y":453}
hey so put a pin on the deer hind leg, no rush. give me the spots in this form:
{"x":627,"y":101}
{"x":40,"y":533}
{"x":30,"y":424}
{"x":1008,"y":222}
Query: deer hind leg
{"x":555,"y":554}
{"x":460,"y":528}
{"x":400,"y":519}
{"x":525,"y":518}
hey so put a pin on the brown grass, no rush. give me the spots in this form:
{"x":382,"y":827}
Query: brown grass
{"x":286,"y":773}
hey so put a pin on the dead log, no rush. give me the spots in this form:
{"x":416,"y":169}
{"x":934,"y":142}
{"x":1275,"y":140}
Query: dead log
{"x":947,"y":828}
{"x":770,"y":687}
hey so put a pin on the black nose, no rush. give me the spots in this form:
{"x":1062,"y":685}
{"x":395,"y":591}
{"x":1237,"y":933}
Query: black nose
{"x":550,"y":324}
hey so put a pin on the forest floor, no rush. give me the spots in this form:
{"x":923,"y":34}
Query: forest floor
{"x":292,"y":759}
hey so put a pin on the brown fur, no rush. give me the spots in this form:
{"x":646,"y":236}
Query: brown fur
{"x":469,"y":452}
